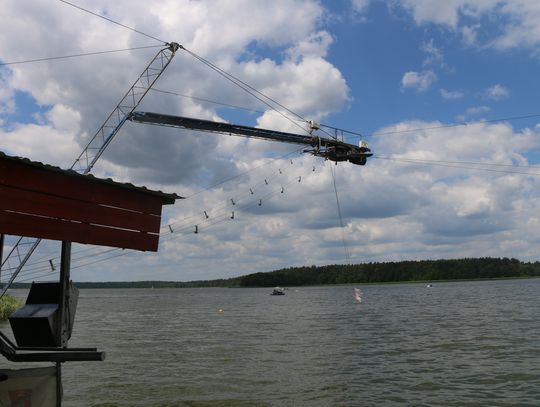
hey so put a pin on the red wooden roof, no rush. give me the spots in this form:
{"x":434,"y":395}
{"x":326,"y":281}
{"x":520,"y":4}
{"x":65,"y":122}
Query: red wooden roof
{"x":43,"y":201}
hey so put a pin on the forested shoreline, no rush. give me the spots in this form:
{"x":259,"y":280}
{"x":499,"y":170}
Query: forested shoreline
{"x":402,"y":271}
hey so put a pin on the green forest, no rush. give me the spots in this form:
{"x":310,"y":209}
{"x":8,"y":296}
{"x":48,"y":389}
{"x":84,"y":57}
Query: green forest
{"x":424,"y":270}
{"x":403,"y":271}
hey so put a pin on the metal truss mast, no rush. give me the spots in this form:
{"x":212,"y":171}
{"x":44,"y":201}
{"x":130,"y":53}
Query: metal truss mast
{"x":24,"y":247}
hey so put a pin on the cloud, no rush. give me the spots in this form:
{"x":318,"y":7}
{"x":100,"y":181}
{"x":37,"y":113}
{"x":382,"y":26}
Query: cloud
{"x":469,"y":35}
{"x":360,"y":5}
{"x":7,"y":103}
{"x":522,"y":28}
{"x":477,"y":110}
{"x":474,"y":202}
{"x":434,"y":56}
{"x":451,"y":95}
{"x":316,"y":45}
{"x":473,"y":112}
{"x":420,"y":81}
{"x":515,"y":22}
{"x":497,"y":92}
{"x":446,"y":12}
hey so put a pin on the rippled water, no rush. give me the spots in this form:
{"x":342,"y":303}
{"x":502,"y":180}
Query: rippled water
{"x":455,"y":344}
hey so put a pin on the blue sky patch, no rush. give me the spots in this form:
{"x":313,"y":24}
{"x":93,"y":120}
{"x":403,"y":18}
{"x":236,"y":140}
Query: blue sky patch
{"x":27,"y":110}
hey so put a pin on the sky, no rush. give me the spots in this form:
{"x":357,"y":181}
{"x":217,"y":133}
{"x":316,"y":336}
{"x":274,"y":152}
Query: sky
{"x":445,"y":93}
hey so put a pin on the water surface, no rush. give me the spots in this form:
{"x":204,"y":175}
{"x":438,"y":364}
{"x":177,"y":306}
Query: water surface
{"x":455,"y":344}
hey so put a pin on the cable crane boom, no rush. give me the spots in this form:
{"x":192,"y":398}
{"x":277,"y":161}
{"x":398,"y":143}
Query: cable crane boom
{"x":331,"y":149}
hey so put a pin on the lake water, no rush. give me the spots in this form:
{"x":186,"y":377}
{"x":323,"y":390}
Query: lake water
{"x":455,"y":344}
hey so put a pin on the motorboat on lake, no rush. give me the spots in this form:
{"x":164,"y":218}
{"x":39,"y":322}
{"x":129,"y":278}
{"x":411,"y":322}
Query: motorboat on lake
{"x":278,"y":291}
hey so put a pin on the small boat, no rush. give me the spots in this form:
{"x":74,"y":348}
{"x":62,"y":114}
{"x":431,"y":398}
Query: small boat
{"x":429,"y":285}
{"x":278,"y":291}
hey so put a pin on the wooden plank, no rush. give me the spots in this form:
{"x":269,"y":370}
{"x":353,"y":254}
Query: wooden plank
{"x":55,"y":229}
{"x":17,"y":200}
{"x":73,"y":186}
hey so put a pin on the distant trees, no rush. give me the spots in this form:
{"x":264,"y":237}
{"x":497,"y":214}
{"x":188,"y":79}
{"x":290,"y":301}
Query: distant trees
{"x":424,"y":270}
{"x":402,"y":271}
{"x":156,"y":284}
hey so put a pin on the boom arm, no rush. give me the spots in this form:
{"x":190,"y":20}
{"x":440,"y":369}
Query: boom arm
{"x":331,"y":149}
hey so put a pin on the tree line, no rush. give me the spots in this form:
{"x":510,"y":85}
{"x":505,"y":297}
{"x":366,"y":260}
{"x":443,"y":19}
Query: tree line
{"x":401,"y":271}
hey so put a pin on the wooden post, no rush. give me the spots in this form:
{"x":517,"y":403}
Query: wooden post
{"x":62,"y":328}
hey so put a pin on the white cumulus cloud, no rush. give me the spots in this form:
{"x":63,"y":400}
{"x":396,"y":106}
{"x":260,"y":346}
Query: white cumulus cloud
{"x":420,"y":81}
{"x":518,"y":21}
{"x":497,"y":92}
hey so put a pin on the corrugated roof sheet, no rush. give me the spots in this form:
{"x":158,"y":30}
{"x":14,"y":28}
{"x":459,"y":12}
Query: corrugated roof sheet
{"x":168,"y":198}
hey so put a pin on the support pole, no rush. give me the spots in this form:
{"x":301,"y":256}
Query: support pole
{"x":63,"y":316}
{"x":58,"y":384}
{"x":62,"y":325}
{"x":1,"y":255}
